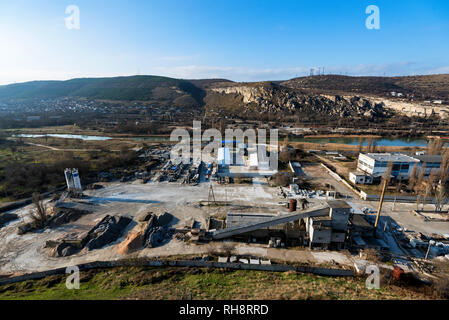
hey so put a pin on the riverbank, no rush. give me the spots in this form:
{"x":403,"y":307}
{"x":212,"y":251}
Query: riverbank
{"x":322,"y":140}
{"x":348,"y":147}
{"x":364,"y":136}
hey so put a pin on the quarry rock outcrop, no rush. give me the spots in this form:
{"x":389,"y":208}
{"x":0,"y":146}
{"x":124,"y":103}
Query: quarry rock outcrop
{"x":273,"y":98}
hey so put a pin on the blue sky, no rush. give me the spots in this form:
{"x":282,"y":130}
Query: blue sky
{"x":242,"y":40}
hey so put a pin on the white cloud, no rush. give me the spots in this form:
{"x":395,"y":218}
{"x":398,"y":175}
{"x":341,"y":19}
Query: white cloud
{"x":232,"y":73}
{"x":10,"y":73}
{"x":260,"y":74}
{"x":439,"y":70}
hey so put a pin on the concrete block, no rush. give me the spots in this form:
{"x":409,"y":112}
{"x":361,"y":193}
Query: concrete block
{"x":223,"y":259}
{"x":254,"y":261}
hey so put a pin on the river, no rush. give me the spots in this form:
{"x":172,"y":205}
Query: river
{"x":354,"y":141}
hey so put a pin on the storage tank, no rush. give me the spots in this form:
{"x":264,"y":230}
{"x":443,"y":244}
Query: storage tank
{"x":292,"y":206}
{"x":69,"y":179}
{"x":72,"y":178}
{"x":76,"y":179}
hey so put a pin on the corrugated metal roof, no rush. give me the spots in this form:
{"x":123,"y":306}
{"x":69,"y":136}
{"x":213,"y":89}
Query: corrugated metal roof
{"x":237,"y":219}
{"x":337,"y":204}
{"x":359,"y":221}
{"x":387,"y":157}
{"x":430,"y":158}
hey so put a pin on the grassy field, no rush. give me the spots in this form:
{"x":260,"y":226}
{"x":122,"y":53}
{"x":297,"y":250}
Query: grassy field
{"x":37,"y":164}
{"x":196,"y":283}
{"x":66,"y":129}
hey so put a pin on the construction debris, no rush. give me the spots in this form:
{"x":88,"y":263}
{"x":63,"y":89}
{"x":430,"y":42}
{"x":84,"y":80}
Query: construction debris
{"x":65,"y":215}
{"x":57,"y":216}
{"x":7,"y":217}
{"x":156,"y":236}
{"x":151,"y":232}
{"x":223,"y":259}
{"x":106,"y":231}
{"x":133,"y":242}
{"x":157,"y":230}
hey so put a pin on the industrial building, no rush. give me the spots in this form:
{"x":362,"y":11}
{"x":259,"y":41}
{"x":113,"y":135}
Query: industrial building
{"x":258,"y":159}
{"x":430,"y":162}
{"x":376,"y":164}
{"x":292,"y":233}
{"x":321,"y":227}
{"x":330,"y":229}
{"x":371,"y":166}
{"x":244,"y":162}
{"x":224,"y":157}
{"x":360,"y":177}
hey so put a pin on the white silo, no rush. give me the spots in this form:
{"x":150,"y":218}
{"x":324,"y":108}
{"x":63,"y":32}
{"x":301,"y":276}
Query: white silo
{"x":69,"y":179}
{"x":76,"y":179}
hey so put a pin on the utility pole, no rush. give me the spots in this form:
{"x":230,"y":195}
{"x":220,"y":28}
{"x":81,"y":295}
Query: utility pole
{"x":226,"y":195}
{"x":211,"y":195}
{"x":380,"y":205}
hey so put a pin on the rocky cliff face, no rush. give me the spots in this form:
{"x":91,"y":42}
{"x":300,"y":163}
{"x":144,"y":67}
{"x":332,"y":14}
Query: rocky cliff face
{"x":273,"y":98}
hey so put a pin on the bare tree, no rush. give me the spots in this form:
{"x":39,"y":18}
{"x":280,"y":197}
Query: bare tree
{"x":435,"y":146}
{"x":441,"y":197}
{"x":412,"y":179}
{"x":374,"y":146}
{"x":387,"y":174}
{"x":38,"y":214}
{"x":429,"y":188}
{"x":421,"y":175}
{"x":443,"y":173}
{"x":360,"y":145}
{"x":398,"y":190}
{"x":285,"y":141}
{"x":369,"y":144}
{"x":418,"y":200}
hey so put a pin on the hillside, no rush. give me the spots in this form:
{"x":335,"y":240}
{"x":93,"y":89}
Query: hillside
{"x":200,"y":284}
{"x":317,"y":98}
{"x":162,"y":90}
{"x":423,"y":87}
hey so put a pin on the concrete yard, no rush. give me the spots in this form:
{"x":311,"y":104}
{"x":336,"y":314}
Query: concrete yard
{"x":26,"y":253}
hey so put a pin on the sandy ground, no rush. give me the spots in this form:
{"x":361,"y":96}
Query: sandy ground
{"x":26,"y":254}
